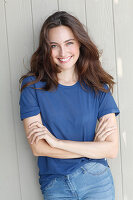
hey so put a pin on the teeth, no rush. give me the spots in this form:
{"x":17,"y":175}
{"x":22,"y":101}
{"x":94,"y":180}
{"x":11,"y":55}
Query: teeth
{"x":65,"y":59}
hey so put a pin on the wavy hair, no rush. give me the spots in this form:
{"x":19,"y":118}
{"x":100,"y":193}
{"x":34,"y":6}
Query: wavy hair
{"x":88,"y":65}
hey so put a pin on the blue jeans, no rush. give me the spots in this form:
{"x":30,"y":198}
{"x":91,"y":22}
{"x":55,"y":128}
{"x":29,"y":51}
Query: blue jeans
{"x":92,"y":181}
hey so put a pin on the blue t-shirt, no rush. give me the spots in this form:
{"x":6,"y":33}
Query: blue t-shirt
{"x":69,"y":113}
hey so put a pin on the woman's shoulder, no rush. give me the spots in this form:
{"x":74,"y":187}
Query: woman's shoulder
{"x":28,"y":79}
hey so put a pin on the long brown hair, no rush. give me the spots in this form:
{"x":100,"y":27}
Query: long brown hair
{"x":88,"y":66}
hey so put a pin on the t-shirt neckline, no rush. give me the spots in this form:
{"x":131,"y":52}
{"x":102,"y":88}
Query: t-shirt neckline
{"x":68,"y":86}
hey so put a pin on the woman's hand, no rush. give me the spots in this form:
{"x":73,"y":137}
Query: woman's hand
{"x":38,"y":131}
{"x":104,"y":129}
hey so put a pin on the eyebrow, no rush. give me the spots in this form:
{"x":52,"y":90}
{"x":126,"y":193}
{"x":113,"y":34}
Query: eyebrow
{"x":64,"y":42}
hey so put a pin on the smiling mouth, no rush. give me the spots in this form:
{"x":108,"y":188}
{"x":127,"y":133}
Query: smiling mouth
{"x":64,"y":60}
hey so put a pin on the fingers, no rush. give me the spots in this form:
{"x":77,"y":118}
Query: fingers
{"x":102,"y":136}
{"x":102,"y":125}
{"x":36,"y":123}
{"x":36,"y":130}
{"x":105,"y":131}
{"x":39,"y":138}
{"x":42,"y":134}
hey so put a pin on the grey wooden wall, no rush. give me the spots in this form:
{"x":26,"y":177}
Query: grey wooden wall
{"x":110,"y":25}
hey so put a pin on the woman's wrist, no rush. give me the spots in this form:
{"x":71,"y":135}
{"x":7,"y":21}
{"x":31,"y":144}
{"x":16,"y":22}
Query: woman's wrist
{"x":58,"y":143}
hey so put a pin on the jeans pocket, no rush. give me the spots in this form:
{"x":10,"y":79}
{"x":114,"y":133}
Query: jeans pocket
{"x":49,"y":185}
{"x":96,"y":168}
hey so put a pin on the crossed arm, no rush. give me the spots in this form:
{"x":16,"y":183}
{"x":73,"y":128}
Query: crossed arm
{"x":105,"y":144}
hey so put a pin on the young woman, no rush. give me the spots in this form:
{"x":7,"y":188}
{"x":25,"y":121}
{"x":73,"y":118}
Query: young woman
{"x":63,"y":96}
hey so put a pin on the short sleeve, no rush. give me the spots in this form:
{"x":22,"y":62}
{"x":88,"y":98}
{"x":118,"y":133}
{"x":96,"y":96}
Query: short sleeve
{"x":28,"y":100}
{"x":107,"y":103}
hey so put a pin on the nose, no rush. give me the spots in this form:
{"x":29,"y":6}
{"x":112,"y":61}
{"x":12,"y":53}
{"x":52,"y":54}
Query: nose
{"x":62,"y":52}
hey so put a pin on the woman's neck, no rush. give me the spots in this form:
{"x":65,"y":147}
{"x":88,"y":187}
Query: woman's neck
{"x":67,"y":77}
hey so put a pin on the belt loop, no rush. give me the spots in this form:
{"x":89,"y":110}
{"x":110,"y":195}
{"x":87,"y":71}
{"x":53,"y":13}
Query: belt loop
{"x":83,"y":170}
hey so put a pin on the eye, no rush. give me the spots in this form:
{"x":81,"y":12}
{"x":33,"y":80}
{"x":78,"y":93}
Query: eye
{"x":69,"y":43}
{"x":53,"y":46}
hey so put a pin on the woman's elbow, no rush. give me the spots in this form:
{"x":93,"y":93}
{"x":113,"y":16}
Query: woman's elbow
{"x":114,"y":151}
{"x":114,"y":155}
{"x":41,"y":148}
{"x":35,"y":153}
{"x":34,"y":149}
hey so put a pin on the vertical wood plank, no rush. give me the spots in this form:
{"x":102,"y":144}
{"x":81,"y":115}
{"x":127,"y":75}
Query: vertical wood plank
{"x":9,"y":172}
{"x":101,"y":29}
{"x":74,"y":7}
{"x":123,"y":18}
{"x":20,"y":40}
{"x":41,"y":9}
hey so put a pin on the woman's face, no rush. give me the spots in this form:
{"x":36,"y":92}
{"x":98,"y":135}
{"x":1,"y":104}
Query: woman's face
{"x":65,"y":47}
